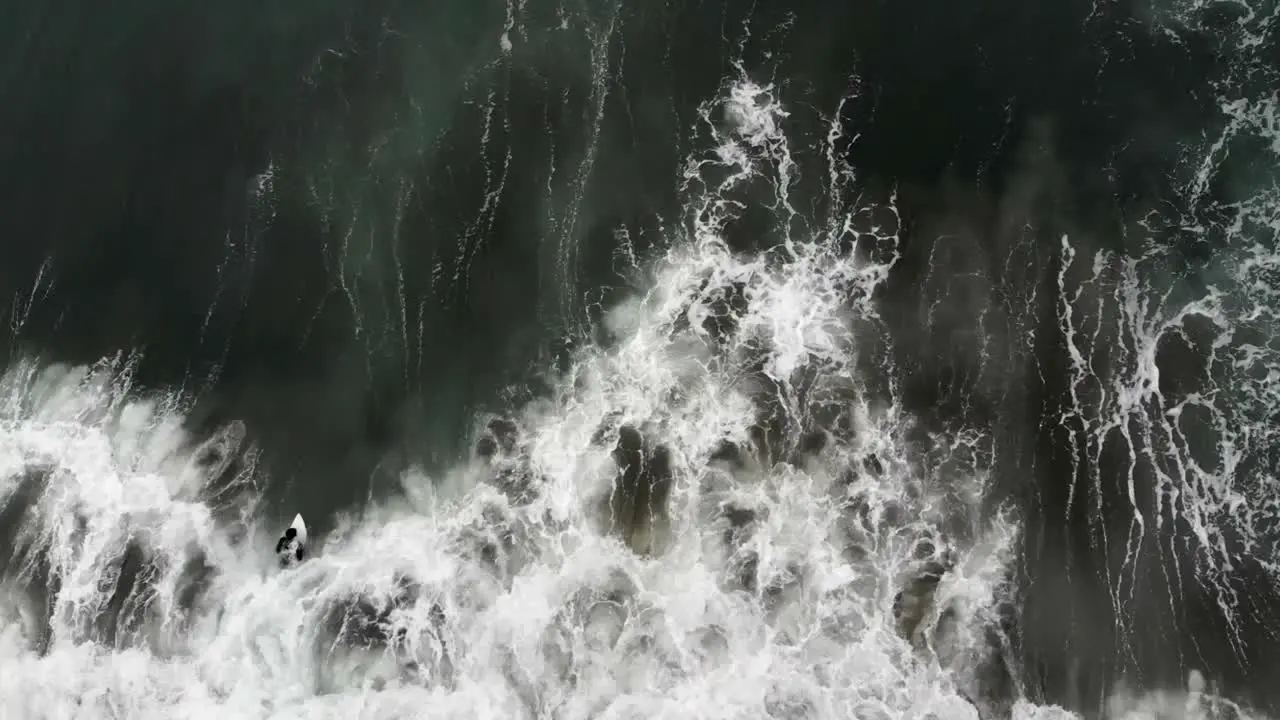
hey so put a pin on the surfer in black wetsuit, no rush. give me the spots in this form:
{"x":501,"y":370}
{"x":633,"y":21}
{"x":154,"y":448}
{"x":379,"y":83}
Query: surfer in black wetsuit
{"x":290,"y":537}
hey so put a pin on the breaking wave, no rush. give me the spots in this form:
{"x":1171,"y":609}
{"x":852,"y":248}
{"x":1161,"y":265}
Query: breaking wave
{"x":728,"y":503}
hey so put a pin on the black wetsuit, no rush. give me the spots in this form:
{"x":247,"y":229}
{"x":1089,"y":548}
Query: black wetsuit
{"x":283,"y":544}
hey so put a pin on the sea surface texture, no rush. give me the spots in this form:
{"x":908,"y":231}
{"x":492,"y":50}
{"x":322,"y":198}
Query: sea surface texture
{"x":640,"y":359}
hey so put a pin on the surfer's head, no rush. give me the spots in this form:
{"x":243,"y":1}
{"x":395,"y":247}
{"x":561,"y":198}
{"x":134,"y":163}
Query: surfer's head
{"x":291,"y":533}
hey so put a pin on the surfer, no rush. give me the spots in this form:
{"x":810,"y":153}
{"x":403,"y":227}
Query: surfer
{"x":291,"y":547}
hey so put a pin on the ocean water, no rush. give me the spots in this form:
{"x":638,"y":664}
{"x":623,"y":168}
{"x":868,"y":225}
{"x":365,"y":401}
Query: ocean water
{"x":640,"y":360}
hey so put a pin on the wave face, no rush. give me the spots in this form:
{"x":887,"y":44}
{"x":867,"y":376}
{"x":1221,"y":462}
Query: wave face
{"x":641,"y":360}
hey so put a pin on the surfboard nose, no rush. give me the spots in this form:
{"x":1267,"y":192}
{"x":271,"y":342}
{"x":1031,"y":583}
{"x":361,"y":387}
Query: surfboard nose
{"x":300,"y":526}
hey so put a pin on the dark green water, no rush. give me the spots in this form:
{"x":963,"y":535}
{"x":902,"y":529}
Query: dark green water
{"x":356,"y":226}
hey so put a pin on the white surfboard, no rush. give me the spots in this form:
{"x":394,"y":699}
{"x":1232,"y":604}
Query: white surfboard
{"x":301,"y":527}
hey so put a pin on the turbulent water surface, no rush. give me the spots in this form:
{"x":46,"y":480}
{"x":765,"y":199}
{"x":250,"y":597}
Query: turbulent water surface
{"x":640,"y":359}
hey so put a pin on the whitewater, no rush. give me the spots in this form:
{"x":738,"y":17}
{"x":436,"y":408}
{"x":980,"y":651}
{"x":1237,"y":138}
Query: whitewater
{"x":487,"y":606}
{"x":714,"y":514}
